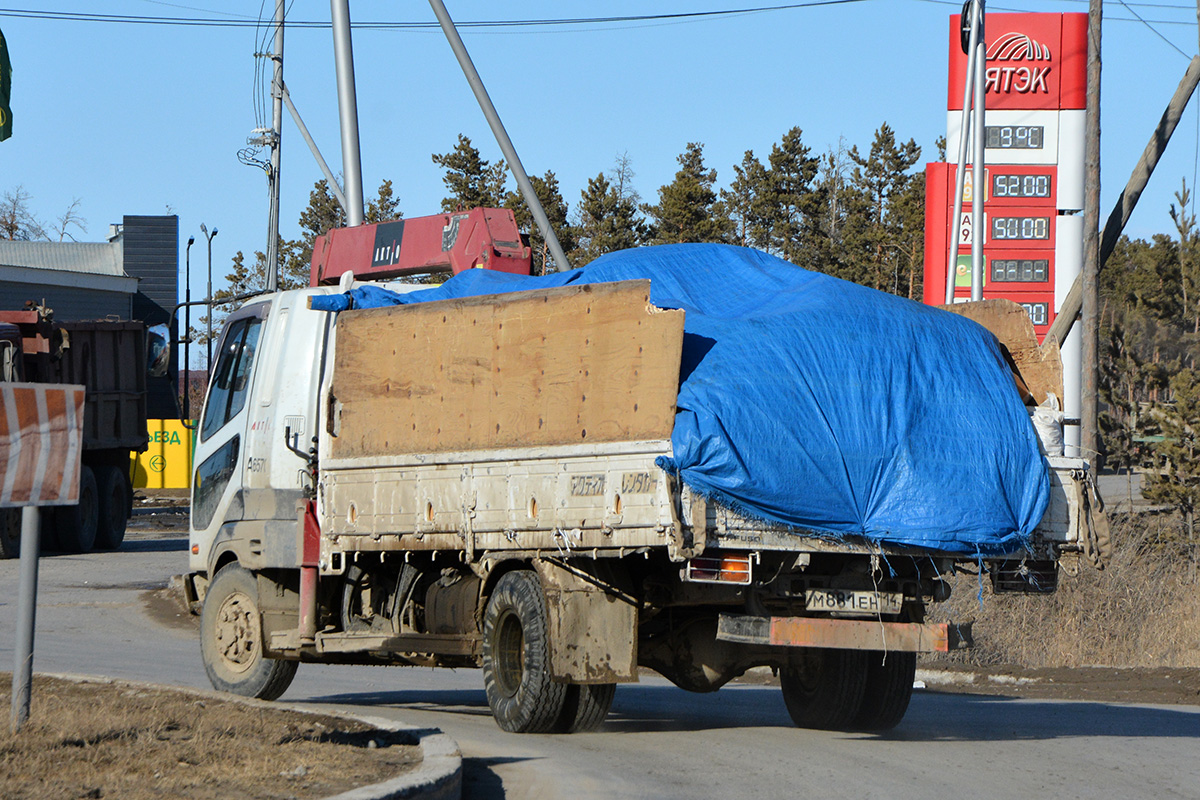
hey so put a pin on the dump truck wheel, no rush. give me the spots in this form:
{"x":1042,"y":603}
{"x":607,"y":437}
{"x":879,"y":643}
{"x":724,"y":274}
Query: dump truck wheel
{"x":824,"y":688}
{"x":889,"y":688}
{"x":10,"y":532}
{"x":516,"y":657}
{"x":75,"y":526}
{"x":231,"y":641}
{"x":113,"y":497}
{"x":585,"y":707}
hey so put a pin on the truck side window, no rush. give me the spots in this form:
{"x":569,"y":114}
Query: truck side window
{"x":232,"y":378}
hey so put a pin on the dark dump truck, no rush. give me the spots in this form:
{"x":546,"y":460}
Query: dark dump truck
{"x":108,"y":357}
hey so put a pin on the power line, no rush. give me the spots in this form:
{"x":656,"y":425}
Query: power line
{"x":226,"y":22}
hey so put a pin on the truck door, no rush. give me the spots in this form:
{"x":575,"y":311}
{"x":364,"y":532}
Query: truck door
{"x":220,"y":450}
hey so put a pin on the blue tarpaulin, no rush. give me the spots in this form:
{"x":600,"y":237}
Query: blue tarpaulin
{"x":821,"y":404}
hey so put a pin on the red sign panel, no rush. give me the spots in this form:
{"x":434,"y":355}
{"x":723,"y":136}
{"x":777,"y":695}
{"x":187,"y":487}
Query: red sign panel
{"x":1034,"y":61}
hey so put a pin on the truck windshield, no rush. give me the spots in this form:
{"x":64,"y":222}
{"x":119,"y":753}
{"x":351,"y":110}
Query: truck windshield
{"x":232,"y":378}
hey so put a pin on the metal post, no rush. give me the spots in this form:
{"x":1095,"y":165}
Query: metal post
{"x":1089,"y":436}
{"x":22,"y":677}
{"x":325,"y":170}
{"x":211,"y":308}
{"x":276,"y":144}
{"x":187,"y":328}
{"x":961,"y":174}
{"x":506,"y":145}
{"x":343,"y":57}
{"x":977,"y":189}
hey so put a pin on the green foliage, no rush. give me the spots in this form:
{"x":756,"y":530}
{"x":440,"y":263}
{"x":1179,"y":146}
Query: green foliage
{"x":686,"y":209}
{"x":471,"y":180}
{"x":555,"y":207}
{"x":883,"y":239}
{"x":607,"y":215}
{"x":1177,"y":480}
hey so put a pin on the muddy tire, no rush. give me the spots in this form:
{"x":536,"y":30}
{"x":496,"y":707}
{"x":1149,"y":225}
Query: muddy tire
{"x":113,"y":506}
{"x":824,"y":688}
{"x":585,"y":707}
{"x":889,"y":689}
{"x":10,"y":532}
{"x":231,"y":641}
{"x":75,"y":526}
{"x":516,"y":657}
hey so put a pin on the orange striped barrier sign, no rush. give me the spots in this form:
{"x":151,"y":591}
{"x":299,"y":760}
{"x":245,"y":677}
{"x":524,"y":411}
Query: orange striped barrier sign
{"x":41,"y":444}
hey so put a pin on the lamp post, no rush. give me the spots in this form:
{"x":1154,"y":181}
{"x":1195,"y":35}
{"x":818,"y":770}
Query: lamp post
{"x":208,"y":343}
{"x":187,"y":328}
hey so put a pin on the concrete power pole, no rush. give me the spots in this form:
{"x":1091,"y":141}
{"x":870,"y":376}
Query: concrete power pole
{"x":275,"y":141}
{"x":1089,"y":435}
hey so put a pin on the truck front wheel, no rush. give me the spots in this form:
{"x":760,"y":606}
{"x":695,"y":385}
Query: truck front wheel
{"x":824,"y":688}
{"x":516,"y":657}
{"x":231,"y":639}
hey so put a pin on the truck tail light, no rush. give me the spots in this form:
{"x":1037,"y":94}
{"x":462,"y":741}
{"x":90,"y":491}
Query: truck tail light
{"x":719,"y":568}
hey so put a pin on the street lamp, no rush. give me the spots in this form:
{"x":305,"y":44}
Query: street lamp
{"x":187,"y":328}
{"x":209,"y":236}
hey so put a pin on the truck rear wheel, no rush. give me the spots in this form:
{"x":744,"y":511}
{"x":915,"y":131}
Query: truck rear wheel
{"x":113,"y":506}
{"x":231,"y":639}
{"x":889,"y":688}
{"x":75,"y":526}
{"x":516,"y":657}
{"x":823,"y":688}
{"x":585,"y":707}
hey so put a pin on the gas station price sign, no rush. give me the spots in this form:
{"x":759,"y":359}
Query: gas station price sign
{"x":1022,"y":229}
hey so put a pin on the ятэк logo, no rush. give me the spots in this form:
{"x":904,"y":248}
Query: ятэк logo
{"x":1021,"y":79}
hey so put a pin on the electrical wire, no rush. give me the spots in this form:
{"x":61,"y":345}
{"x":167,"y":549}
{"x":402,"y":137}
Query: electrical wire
{"x":225,"y":22}
{"x":1152,"y":28}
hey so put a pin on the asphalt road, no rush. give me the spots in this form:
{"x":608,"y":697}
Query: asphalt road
{"x":659,"y":742}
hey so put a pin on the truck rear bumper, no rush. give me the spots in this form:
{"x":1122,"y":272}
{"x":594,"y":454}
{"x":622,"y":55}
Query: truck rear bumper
{"x":845,"y":634}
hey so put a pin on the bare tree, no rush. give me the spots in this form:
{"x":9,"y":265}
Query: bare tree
{"x":17,"y":221}
{"x":70,"y":217}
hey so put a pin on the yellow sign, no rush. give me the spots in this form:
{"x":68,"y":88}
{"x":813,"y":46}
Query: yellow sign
{"x":167,"y":462}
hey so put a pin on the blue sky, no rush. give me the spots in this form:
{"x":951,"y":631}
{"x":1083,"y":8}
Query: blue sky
{"x":148,"y":119}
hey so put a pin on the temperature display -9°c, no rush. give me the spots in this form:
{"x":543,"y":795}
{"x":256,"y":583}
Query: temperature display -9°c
{"x":1017,"y":185}
{"x":1019,"y":228}
{"x":1014,"y":137}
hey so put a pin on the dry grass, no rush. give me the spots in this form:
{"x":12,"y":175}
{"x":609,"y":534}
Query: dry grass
{"x":1142,"y":610}
{"x":99,"y":740}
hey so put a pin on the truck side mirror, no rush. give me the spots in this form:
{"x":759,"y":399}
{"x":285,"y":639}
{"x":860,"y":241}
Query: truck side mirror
{"x":158,"y":351}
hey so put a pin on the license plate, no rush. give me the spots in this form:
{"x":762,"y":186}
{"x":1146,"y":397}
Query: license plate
{"x":841,"y":601}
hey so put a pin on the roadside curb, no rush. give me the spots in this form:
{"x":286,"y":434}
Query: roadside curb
{"x":439,"y":777}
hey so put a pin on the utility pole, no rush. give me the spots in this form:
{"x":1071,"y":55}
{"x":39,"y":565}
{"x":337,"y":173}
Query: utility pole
{"x":275,"y":141}
{"x":1089,"y":436}
{"x":343,"y":58}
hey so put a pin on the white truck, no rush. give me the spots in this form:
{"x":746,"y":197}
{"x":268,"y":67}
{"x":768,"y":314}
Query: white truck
{"x":472,"y":483}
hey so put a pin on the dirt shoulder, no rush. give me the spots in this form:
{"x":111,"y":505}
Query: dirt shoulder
{"x":1152,"y":685}
{"x":95,"y":739}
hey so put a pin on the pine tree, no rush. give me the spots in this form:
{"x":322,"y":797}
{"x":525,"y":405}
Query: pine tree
{"x":472,"y":181}
{"x":607,"y":216}
{"x":878,"y":235}
{"x":791,"y":203}
{"x":1178,"y":482}
{"x":744,"y":203}
{"x":548,"y":194}
{"x":685,"y":210}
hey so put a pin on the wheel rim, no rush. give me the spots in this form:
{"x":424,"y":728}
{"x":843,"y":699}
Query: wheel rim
{"x":509,"y":657}
{"x":236,"y":632}
{"x":805,"y":675}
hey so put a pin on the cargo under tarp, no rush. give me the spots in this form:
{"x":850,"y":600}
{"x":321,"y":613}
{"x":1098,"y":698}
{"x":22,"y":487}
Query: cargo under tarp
{"x":820,"y":404}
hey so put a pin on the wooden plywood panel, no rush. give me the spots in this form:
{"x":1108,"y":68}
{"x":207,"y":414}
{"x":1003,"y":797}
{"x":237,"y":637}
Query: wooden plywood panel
{"x":1038,"y":369}
{"x":592,"y":363}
